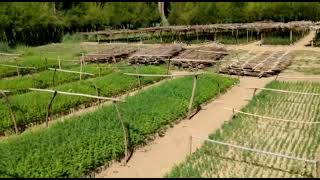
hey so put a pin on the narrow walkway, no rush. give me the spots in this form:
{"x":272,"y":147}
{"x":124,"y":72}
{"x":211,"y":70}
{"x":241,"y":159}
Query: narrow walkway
{"x":158,"y":158}
{"x":305,"y":40}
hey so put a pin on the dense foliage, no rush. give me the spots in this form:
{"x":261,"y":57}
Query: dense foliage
{"x":77,"y":146}
{"x":20,"y":24}
{"x":32,"y":107}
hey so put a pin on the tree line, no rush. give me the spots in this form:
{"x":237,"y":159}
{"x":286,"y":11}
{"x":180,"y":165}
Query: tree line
{"x":35,"y":23}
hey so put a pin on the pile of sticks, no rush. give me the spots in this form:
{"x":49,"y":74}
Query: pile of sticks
{"x":155,"y":55}
{"x":109,"y":56}
{"x":199,"y":57}
{"x":262,"y":64}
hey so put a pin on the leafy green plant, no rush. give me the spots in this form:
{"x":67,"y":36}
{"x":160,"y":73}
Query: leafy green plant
{"x":77,"y":146}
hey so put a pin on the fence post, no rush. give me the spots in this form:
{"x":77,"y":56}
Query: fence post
{"x":81,"y":66}
{"x":49,"y":108}
{"x":54,"y":74}
{"x":318,"y":169}
{"x":247,"y":36}
{"x":192,"y":95}
{"x":254,"y":92}
{"x":290,"y":36}
{"x":18,"y":71}
{"x":125,"y":135}
{"x":168,"y":66}
{"x":13,"y":116}
{"x":59,"y":60}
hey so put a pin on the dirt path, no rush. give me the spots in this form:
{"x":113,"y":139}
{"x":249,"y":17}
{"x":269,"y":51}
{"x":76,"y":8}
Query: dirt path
{"x":158,"y":158}
{"x":306,"y":40}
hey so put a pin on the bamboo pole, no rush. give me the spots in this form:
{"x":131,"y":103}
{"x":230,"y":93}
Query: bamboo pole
{"x":81,"y":67}
{"x":76,"y":94}
{"x":256,"y":150}
{"x":59,"y":61}
{"x":318,"y":169}
{"x":168,"y":67}
{"x":247,"y":36}
{"x":49,"y":108}
{"x":160,"y":75}
{"x":69,"y":71}
{"x":193,"y":94}
{"x":290,"y":36}
{"x":125,"y":134}
{"x":271,"y":118}
{"x":12,"y":114}
{"x":284,"y":91}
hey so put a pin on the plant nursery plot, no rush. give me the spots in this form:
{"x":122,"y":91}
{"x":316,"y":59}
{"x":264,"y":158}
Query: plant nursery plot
{"x":298,"y":139}
{"x":31,"y":107}
{"x":49,"y":78}
{"x":75,"y":147}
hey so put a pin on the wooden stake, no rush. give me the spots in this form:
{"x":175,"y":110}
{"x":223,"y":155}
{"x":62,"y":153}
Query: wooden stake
{"x":193,"y":93}
{"x":197,"y":35}
{"x":247,"y":36}
{"x":237,"y":36}
{"x":290,"y":36}
{"x":215,"y":35}
{"x":54,"y":74}
{"x":318,"y":169}
{"x":59,"y":60}
{"x":254,"y":92}
{"x":125,"y":134}
{"x":13,"y":116}
{"x":81,"y":67}
{"x":49,"y":108}
{"x":168,"y":67}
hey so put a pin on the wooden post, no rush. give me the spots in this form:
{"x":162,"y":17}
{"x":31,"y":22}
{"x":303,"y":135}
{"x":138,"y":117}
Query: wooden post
{"x":13,"y":116}
{"x":193,"y":93}
{"x":290,"y":36}
{"x":160,"y":36}
{"x":59,"y":60}
{"x":233,"y":113}
{"x":318,"y":169}
{"x":140,"y":39}
{"x":54,"y":74}
{"x":190,"y":145}
{"x":197,"y":35}
{"x":254,"y":92}
{"x":168,"y":67}
{"x":237,"y":36}
{"x":125,"y":133}
{"x":81,"y":67}
{"x":215,"y":35}
{"x":247,"y":36}
{"x":49,"y":108}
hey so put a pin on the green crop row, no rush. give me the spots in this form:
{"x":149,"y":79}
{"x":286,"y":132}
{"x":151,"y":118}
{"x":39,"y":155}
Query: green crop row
{"x":32,"y":107}
{"x":294,"y":139}
{"x":75,"y":147}
{"x":48,"y":78}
